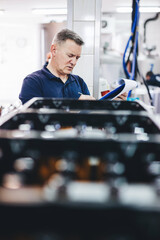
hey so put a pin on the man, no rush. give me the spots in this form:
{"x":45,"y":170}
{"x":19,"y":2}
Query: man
{"x":55,"y":79}
{"x":153,"y":79}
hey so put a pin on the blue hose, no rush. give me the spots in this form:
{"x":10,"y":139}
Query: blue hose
{"x":134,"y":52}
{"x":135,"y":24}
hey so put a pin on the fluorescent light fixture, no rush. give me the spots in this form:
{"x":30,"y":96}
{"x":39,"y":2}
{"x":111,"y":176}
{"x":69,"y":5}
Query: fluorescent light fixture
{"x":150,"y":9}
{"x":50,"y":11}
{"x":124,"y":9}
{"x":141,"y":9}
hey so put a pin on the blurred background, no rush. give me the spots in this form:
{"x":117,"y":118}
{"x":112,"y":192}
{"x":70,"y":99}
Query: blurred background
{"x":27,"y":29}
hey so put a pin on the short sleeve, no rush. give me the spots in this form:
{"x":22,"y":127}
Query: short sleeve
{"x":84,"y":87}
{"x":31,"y":87}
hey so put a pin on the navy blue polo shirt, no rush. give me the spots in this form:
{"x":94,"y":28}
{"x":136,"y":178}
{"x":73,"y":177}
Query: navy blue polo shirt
{"x":43,"y":83}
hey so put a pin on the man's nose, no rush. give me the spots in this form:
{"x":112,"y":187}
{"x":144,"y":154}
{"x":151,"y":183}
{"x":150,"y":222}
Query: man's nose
{"x":74,"y":61}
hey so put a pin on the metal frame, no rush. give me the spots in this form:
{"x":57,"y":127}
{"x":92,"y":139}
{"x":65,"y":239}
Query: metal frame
{"x":97,"y":49}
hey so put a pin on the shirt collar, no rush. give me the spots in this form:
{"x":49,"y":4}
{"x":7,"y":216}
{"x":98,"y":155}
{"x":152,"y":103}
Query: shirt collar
{"x":47,"y":73}
{"x":51,"y":76}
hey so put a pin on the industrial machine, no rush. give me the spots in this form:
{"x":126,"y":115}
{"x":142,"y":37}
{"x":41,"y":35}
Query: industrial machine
{"x":80,"y":170}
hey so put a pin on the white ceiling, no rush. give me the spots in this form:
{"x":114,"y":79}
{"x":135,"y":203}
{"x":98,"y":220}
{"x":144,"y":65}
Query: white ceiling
{"x":110,"y":6}
{"x":16,"y":5}
{"x":27,"y":5}
{"x":19,"y":11}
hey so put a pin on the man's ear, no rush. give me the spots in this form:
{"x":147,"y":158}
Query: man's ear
{"x":53,"y":49}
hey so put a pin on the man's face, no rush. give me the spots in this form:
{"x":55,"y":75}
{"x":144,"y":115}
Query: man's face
{"x":66,"y":56}
{"x":148,"y":77}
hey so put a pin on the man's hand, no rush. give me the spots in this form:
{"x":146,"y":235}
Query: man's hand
{"x":86,"y":97}
{"x":122,"y":97}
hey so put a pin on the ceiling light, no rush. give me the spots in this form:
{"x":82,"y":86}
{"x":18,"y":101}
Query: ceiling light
{"x":141,"y":9}
{"x":50,"y":11}
{"x":150,"y":9}
{"x":124,"y":9}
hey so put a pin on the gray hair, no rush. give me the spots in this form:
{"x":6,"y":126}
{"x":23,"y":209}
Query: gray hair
{"x":65,"y":34}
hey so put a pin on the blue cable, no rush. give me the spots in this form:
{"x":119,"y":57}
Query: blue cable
{"x":152,"y":65}
{"x":124,"y":64}
{"x":134,"y":61}
{"x":134,"y":52}
{"x":135,"y":49}
{"x":135,"y":25}
{"x":131,"y":36}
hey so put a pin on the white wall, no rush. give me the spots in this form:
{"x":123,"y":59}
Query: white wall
{"x":19,"y":56}
{"x":22,"y":49}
